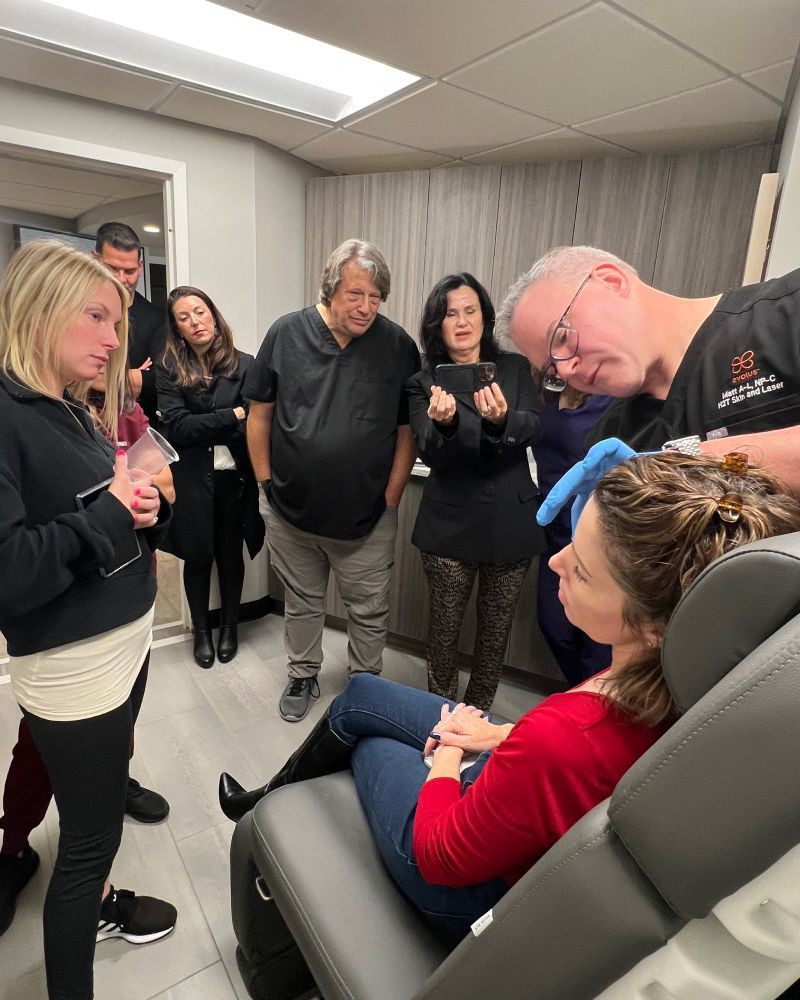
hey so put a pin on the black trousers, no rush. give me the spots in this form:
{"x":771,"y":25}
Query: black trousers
{"x":228,"y":539}
{"x":87,"y":761}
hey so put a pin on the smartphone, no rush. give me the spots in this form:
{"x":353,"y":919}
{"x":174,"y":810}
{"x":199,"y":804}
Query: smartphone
{"x":127,"y":550}
{"x":465,"y":378}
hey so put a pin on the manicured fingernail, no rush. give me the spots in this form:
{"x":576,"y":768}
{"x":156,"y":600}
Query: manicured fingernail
{"x":434,"y":736}
{"x":121,"y":451}
{"x":137,"y":493}
{"x":135,"y":518}
{"x":135,"y":503}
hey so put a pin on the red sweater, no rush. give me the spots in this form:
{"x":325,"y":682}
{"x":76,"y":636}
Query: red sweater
{"x":559,"y":761}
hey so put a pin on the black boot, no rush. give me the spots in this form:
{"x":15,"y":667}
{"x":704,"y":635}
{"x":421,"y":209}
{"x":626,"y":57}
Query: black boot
{"x":203,"y":643}
{"x":322,"y":752}
{"x":228,"y":644}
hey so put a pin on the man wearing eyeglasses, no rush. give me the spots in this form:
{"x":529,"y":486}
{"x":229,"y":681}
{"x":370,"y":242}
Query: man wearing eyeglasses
{"x":119,"y":248}
{"x":725,"y":368}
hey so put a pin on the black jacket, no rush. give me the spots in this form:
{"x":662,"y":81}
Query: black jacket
{"x":51,"y":591}
{"x":479,"y":503}
{"x":147,"y":326}
{"x":194,"y":420}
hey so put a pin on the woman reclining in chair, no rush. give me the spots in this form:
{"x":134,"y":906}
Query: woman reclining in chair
{"x":455,"y":841}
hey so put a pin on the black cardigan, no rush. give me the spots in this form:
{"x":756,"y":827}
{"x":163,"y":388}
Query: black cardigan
{"x":479,"y":503}
{"x":51,"y":591}
{"x":194,"y":420}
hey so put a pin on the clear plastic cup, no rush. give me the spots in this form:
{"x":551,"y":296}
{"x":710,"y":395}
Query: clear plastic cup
{"x":151,"y":453}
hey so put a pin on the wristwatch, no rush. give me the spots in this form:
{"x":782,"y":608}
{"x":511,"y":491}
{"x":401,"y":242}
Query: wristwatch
{"x":686,"y":445}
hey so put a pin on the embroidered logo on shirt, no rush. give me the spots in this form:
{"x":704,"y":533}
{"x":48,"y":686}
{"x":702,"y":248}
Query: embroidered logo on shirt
{"x":744,"y":370}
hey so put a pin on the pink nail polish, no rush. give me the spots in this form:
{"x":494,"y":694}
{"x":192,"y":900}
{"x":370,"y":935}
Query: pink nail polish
{"x":121,"y":451}
{"x":135,"y":503}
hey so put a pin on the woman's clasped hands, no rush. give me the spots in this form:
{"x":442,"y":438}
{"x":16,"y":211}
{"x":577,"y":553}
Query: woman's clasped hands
{"x":135,"y":491}
{"x":465,"y":727}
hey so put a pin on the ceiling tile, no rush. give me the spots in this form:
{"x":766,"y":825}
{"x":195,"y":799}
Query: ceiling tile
{"x":75,"y":75}
{"x":37,"y":208}
{"x":773,"y":79}
{"x":723,"y":114}
{"x":57,"y":178}
{"x":346,"y":152}
{"x":562,"y":144}
{"x":416,"y":35}
{"x":451,"y":121}
{"x":67,"y":203}
{"x":285,"y":131}
{"x":739,"y":34}
{"x":549,"y":74}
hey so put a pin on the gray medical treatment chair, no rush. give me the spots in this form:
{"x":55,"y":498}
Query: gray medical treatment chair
{"x":684,"y":885}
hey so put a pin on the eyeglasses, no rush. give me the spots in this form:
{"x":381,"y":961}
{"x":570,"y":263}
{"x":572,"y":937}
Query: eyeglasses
{"x":563,"y":345}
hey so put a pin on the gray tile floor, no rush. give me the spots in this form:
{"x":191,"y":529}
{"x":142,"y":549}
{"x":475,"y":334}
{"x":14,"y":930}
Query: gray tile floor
{"x":194,"y":724}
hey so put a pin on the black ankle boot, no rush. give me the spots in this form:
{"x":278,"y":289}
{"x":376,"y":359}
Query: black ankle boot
{"x":235,"y":800}
{"x":228,"y":644}
{"x":322,"y":752}
{"x":203,"y":643}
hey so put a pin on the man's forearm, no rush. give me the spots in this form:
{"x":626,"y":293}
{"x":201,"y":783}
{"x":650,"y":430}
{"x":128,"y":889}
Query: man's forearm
{"x":776,"y":451}
{"x":259,"y":428}
{"x":405,"y":452}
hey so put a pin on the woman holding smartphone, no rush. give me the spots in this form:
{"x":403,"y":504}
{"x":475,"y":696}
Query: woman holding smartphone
{"x":76,"y":614}
{"x":478,"y":509}
{"x":203,"y":416}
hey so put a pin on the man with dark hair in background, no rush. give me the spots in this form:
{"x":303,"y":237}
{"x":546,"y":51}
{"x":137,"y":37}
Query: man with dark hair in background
{"x":119,"y":248}
{"x":329,"y":439}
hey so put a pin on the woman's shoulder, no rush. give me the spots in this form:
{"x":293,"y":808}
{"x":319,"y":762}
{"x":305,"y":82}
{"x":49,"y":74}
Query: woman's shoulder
{"x":510,"y":360}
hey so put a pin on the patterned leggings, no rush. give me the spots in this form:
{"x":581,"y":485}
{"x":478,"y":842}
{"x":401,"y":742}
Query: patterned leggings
{"x":450,"y":584}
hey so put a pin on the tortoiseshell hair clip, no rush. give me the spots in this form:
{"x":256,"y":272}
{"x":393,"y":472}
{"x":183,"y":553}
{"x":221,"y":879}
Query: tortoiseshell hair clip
{"x":729,"y":505}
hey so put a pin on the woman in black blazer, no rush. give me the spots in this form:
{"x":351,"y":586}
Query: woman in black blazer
{"x":478,"y":510}
{"x":216,"y":506}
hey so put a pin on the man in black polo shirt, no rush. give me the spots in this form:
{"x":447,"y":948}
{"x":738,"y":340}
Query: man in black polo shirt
{"x":725,"y":368}
{"x":329,"y":438}
{"x":118,"y":247}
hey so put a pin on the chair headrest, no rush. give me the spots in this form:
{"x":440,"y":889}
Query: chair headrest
{"x":732,"y":607}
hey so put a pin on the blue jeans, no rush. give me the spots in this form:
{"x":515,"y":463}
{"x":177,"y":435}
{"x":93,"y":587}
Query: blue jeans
{"x":388,"y":724}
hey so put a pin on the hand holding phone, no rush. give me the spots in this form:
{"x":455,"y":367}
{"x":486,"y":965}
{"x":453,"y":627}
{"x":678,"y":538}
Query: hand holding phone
{"x":442,"y":407}
{"x":491,"y":403}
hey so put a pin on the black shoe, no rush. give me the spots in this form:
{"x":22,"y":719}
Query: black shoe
{"x":296,"y":698}
{"x":234,"y":799}
{"x":203,"y":645}
{"x":321,"y":752}
{"x":228,"y":644}
{"x":15,"y":873}
{"x":145,"y":805}
{"x":138,"y":919}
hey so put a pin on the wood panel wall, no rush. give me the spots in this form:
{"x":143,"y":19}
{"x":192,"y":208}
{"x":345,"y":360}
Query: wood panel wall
{"x":683,"y":221}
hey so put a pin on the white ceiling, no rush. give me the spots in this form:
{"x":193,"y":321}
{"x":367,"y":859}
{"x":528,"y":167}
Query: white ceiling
{"x":509,"y":81}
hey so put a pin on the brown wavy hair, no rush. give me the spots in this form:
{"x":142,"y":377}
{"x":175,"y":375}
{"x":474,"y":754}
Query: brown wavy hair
{"x":660,"y":527}
{"x":180,"y":359}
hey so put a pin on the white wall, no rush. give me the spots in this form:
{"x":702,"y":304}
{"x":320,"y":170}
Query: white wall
{"x":246,"y":199}
{"x":785,"y":251}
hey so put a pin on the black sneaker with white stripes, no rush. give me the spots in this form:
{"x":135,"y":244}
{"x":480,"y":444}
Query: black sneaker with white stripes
{"x":138,"y":919}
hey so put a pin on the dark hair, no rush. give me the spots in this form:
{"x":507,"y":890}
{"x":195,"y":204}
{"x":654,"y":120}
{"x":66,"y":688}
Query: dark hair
{"x":117,"y":235}
{"x":180,"y":359}
{"x":435,"y":310}
{"x":660,"y":524}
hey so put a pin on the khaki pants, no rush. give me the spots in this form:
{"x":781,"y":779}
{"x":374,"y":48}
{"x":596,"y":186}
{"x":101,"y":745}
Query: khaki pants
{"x":363,"y":572}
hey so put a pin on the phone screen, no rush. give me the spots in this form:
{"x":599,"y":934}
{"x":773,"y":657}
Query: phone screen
{"x":127,"y":549}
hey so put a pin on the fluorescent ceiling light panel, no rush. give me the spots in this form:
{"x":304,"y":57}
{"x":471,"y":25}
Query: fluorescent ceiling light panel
{"x":212,"y":46}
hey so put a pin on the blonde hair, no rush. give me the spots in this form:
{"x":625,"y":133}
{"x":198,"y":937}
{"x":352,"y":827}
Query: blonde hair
{"x":660,"y":528}
{"x":45,"y":288}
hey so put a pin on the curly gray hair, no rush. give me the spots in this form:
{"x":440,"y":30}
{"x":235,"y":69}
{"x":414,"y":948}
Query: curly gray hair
{"x":366,"y":256}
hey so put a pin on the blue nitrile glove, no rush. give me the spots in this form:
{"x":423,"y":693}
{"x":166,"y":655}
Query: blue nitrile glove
{"x":581,"y":479}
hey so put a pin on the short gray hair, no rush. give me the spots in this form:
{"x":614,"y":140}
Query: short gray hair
{"x":568,"y":265}
{"x":364,"y":255}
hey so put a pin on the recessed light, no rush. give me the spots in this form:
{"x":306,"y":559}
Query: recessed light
{"x":205,"y":44}
{"x":150,"y":228}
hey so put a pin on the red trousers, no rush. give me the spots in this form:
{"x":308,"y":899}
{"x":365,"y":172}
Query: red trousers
{"x":26,"y":795}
